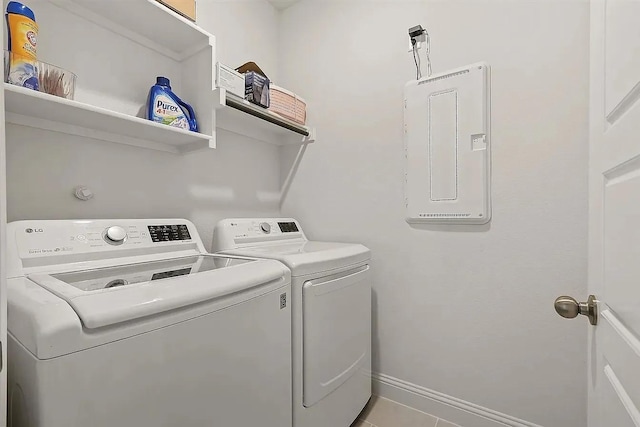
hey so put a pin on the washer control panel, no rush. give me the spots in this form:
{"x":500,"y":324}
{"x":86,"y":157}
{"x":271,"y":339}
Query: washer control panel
{"x":65,"y":237}
{"x":115,"y":235}
{"x":169,"y":233}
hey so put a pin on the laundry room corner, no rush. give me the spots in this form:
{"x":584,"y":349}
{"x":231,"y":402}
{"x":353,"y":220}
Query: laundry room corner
{"x":450,"y":327}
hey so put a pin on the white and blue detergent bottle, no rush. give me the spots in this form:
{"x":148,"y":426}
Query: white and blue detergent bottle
{"x":164,"y":106}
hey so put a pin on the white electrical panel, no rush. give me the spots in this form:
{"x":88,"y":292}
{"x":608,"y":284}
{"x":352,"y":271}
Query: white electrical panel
{"x":447,"y":141}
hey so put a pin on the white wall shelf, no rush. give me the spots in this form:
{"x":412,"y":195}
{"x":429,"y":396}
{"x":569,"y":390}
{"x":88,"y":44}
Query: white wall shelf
{"x":146,"y":22}
{"x":239,"y":116}
{"x":39,"y":110}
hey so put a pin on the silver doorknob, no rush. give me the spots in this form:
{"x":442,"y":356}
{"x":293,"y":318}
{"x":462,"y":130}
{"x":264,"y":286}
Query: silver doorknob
{"x":568,"y":307}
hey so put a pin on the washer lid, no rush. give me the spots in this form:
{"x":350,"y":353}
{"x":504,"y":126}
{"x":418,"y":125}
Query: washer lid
{"x":111,"y":295}
{"x":309,"y":257}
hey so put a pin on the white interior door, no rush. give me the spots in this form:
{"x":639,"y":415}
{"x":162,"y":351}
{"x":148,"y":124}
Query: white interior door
{"x":614,"y":225}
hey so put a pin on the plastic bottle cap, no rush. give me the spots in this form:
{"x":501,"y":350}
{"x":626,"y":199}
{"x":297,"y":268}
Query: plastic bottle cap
{"x":20,"y":9}
{"x":163,"y":81}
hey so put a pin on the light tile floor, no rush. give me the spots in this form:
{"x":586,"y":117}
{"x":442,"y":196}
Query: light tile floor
{"x":381,"y":412}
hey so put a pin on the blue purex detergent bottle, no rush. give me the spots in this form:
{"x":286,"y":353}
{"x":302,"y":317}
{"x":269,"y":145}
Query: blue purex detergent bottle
{"x":164,"y":106}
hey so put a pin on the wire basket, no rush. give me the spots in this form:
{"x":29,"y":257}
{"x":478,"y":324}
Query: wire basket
{"x":38,"y":75}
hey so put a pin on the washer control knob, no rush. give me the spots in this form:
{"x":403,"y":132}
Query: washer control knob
{"x":115,"y":234}
{"x":266,"y":227}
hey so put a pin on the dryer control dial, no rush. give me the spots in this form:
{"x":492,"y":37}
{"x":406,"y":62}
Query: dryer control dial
{"x":115,"y":235}
{"x":266,"y":227}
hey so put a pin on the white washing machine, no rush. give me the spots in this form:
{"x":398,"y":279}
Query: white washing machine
{"x":130,"y":323}
{"x":331,"y":290}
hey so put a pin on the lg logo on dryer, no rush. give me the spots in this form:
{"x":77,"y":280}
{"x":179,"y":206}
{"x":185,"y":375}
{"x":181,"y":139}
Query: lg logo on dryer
{"x":34,"y":230}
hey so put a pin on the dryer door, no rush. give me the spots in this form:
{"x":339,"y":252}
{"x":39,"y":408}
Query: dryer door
{"x":336,"y":331}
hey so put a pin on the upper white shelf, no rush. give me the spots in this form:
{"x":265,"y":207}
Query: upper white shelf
{"x":30,"y":108}
{"x":144,"y":21}
{"x":239,"y":116}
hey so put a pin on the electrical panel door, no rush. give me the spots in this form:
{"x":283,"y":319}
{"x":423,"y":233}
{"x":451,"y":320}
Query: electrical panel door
{"x":447,"y":141}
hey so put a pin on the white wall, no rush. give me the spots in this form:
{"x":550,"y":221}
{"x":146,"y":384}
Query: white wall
{"x":245,"y":30}
{"x":466,"y":311}
{"x":205,"y":186}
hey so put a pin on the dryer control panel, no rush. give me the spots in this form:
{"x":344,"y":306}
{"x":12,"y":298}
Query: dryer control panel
{"x":239,"y":232}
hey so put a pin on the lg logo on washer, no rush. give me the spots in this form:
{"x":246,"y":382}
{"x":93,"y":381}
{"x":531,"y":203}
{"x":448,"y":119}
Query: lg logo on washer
{"x":34,"y":230}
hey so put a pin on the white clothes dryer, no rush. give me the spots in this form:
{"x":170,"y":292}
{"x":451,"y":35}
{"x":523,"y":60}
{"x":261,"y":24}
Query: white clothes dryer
{"x":131,"y":323}
{"x":331,"y":300}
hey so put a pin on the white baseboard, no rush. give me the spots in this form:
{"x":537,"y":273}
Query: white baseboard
{"x":441,"y":405}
